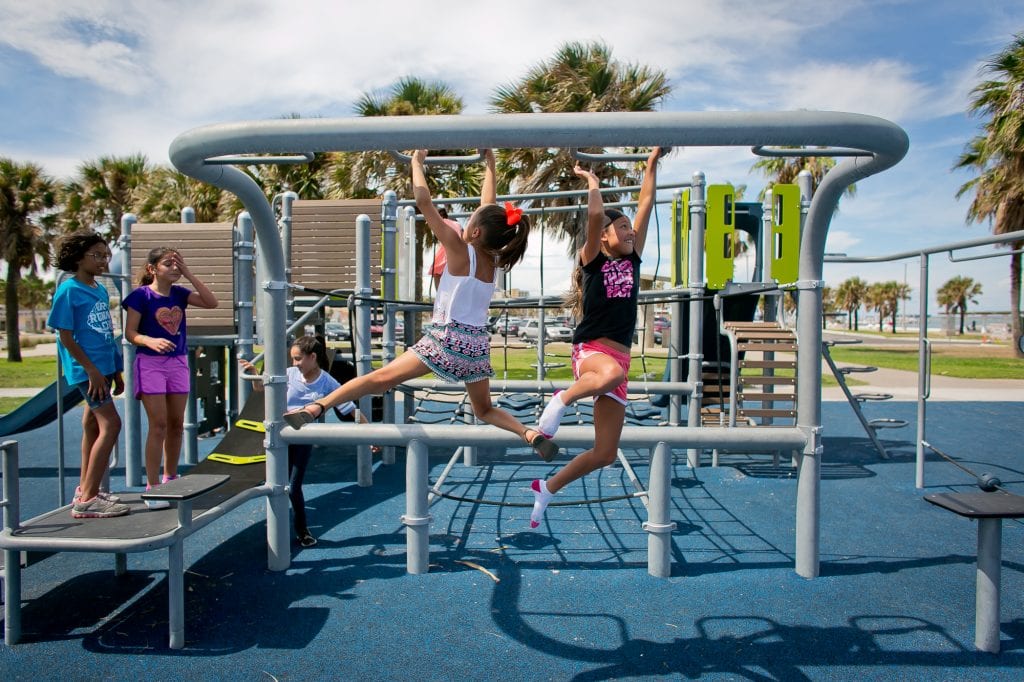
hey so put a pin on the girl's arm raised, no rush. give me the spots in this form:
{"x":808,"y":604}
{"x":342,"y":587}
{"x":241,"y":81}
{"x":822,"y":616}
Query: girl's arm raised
{"x":202,"y":297}
{"x":595,"y":215}
{"x":489,"y":188}
{"x":448,"y":237}
{"x":645,"y":204}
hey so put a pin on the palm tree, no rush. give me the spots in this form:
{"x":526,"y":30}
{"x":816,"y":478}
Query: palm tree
{"x":885,"y":297}
{"x":26,"y":196}
{"x":361,"y":175}
{"x":850,"y":294}
{"x":35,"y":293}
{"x":579,"y":77}
{"x":998,"y":156}
{"x":784,"y":170}
{"x":167,"y":191}
{"x":102,"y":192}
{"x":956,"y":293}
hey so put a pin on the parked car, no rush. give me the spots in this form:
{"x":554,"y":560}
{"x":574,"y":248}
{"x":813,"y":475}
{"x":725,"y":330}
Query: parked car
{"x":507,"y":326}
{"x":336,"y":331}
{"x":553,"y":332}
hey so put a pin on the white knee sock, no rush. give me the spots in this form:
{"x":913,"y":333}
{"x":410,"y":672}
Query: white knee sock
{"x":541,"y":498}
{"x":551,"y":417}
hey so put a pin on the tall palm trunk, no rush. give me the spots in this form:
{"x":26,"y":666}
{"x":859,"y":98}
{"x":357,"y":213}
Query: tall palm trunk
{"x":11,"y":306}
{"x":1015,"y":319}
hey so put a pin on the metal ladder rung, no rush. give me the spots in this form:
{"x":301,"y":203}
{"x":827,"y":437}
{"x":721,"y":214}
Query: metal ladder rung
{"x":766,"y":347}
{"x":769,"y":397}
{"x":872,"y":396}
{"x":857,"y":370}
{"x":766,"y":413}
{"x":768,"y":364}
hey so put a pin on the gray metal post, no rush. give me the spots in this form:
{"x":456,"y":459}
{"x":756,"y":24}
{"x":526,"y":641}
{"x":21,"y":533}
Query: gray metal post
{"x":408,"y":286}
{"x":176,"y":578}
{"x":12,"y":557}
{"x":417,"y":516}
{"x":285,"y":223}
{"x":698,"y":216}
{"x":923,"y":373}
{"x":132,"y":408}
{"x":190,"y":441}
{"x":389,"y":290}
{"x":659,"y":525}
{"x":986,"y":614}
{"x":245,"y":286}
{"x":675,"y":348}
{"x":364,"y":460}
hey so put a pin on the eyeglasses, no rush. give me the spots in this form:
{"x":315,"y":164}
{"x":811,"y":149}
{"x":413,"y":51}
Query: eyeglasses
{"x":102,"y":257}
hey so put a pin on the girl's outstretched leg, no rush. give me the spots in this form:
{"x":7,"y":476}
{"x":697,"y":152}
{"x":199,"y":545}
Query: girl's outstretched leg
{"x":551,"y":418}
{"x":541,"y":498}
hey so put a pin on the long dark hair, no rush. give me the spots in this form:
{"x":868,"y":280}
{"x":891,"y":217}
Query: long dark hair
{"x":314,"y":345}
{"x":508,"y":242}
{"x":152,"y":258}
{"x":574,"y":299}
{"x":73,"y":247}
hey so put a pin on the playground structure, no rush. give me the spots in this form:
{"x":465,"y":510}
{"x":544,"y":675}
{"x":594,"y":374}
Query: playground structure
{"x":702,"y":226}
{"x":873,"y":145}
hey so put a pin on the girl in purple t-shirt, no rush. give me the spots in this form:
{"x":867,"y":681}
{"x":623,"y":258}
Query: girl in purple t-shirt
{"x":156,"y":324}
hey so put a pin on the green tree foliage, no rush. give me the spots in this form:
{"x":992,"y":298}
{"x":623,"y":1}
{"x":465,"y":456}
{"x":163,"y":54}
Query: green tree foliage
{"x":102,"y":191}
{"x":27,"y":195}
{"x":997,"y":155}
{"x":850,"y":295}
{"x":579,"y":77}
{"x":956,"y":293}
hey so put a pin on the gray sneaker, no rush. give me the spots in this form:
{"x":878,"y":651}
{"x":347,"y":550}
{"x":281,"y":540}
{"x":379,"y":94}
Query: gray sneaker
{"x":109,"y":497}
{"x":98,"y":508}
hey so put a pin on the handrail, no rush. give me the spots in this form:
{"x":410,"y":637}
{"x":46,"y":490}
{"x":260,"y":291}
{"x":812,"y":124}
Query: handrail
{"x":950,"y":247}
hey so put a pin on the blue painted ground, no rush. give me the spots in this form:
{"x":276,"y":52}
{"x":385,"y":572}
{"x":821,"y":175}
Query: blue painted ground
{"x":573,"y":600}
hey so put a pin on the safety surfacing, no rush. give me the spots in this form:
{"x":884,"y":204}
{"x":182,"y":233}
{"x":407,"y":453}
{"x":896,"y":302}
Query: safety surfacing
{"x":895,"y":598}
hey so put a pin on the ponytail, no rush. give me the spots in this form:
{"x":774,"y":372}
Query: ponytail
{"x":314,"y":345}
{"x":152,"y":258}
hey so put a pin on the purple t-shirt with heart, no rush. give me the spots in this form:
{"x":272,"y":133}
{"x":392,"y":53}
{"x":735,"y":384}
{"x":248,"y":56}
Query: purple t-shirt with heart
{"x":161,"y":317}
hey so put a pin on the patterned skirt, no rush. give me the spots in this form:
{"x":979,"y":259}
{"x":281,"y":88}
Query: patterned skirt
{"x":456,"y":352}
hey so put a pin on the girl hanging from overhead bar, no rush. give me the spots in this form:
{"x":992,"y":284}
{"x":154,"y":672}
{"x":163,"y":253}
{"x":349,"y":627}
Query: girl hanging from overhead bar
{"x":456,"y":345}
{"x":606,"y":284}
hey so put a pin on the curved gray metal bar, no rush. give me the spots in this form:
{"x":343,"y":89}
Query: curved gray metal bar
{"x":886,"y":143}
{"x":438,"y":160}
{"x":783,"y":152}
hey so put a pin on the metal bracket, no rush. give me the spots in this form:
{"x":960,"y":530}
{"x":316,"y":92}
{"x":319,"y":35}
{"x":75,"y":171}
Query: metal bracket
{"x":658,"y":528}
{"x":807,"y":284}
{"x":275,"y":379}
{"x":415,"y":520}
{"x":270,"y":285}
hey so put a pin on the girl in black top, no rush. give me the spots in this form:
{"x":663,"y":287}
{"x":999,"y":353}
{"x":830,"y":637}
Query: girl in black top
{"x":604,"y":299}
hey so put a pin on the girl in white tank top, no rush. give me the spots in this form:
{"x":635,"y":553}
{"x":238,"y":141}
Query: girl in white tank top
{"x":456,"y":345}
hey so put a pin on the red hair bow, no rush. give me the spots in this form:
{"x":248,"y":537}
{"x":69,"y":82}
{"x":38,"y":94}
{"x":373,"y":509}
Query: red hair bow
{"x":512,"y":214}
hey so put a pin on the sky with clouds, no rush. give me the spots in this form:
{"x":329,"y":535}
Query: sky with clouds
{"x":80,"y":79}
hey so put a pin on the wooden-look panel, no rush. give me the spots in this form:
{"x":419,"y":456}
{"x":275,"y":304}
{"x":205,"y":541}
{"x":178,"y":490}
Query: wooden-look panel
{"x":208,"y":250}
{"x":324,"y":242}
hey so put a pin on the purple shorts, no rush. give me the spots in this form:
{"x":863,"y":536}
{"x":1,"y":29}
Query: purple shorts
{"x":161,"y":374}
{"x":582,"y":351}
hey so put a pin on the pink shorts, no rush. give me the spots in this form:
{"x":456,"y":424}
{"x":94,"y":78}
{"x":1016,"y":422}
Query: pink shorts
{"x":582,"y":351}
{"x":161,"y":374}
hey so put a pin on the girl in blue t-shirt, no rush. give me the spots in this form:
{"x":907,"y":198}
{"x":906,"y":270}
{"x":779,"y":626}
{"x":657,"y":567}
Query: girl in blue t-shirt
{"x":156,"y":324}
{"x":308,"y":381}
{"x":91,"y":358}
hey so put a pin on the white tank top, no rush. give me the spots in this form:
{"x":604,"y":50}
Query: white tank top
{"x":463,"y":298}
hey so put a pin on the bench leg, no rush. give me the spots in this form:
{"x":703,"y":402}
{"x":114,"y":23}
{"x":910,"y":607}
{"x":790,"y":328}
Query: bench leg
{"x":120,"y":563}
{"x":986,"y":616}
{"x":176,"y":594}
{"x":12,"y":596}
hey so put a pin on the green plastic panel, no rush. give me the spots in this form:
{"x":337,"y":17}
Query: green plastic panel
{"x":681,"y":239}
{"x":785,"y":244}
{"x":720,"y":235}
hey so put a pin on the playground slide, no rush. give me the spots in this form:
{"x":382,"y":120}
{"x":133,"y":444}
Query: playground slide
{"x":40,"y":409}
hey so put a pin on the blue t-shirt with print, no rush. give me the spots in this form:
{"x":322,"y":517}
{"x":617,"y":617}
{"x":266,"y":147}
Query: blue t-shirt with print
{"x":85,"y":311}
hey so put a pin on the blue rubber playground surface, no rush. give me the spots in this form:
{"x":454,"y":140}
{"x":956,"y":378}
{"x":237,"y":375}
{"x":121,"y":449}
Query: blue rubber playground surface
{"x":572,"y":600}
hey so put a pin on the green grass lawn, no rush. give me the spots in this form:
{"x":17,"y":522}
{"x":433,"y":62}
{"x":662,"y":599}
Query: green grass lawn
{"x":963,"y":367}
{"x":31,"y":372}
